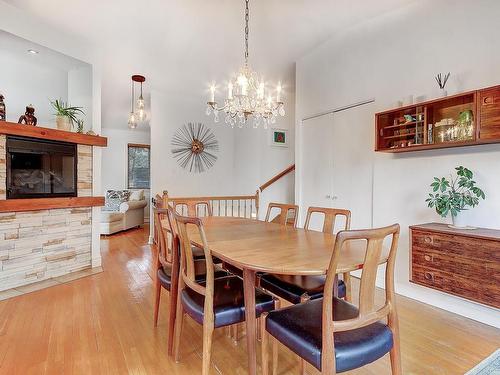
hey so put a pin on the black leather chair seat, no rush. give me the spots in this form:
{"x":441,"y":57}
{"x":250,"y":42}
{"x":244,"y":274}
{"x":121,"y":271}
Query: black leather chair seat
{"x":291,"y":288}
{"x":164,"y":273}
{"x":299,"y":328}
{"x":198,"y":253}
{"x":229,"y":305}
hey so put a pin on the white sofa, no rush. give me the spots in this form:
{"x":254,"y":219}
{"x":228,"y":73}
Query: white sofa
{"x":130,"y":215}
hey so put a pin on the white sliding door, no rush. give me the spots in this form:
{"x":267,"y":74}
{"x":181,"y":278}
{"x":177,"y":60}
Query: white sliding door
{"x":353,"y":163}
{"x":316,"y":164}
{"x":336,"y":166}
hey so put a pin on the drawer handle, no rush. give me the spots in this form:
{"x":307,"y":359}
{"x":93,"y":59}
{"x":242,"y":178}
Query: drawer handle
{"x":429,"y":276}
{"x":428,"y":258}
{"x":487,"y":100}
{"x":428,"y":239}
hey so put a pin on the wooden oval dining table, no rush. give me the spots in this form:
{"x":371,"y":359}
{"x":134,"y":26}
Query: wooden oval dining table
{"x":256,"y":246}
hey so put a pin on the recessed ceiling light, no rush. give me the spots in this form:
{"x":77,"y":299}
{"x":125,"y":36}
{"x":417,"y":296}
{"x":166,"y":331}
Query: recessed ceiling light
{"x":33,"y":52}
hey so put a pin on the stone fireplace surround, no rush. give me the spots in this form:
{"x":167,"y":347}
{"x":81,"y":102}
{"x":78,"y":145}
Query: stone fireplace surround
{"x":42,"y":244}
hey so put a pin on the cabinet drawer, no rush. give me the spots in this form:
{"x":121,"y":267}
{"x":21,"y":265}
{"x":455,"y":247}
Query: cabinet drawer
{"x":456,"y":285}
{"x":472,"y":248}
{"x":482,"y":272}
{"x":489,"y":113}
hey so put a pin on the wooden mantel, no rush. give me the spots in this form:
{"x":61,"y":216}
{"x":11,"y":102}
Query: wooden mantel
{"x":36,"y":204}
{"x":11,"y":128}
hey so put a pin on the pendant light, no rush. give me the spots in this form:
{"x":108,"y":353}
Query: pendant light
{"x":139,"y":116}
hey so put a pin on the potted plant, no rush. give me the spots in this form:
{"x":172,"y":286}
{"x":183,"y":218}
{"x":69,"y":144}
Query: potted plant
{"x":454,"y":195}
{"x":65,"y":114}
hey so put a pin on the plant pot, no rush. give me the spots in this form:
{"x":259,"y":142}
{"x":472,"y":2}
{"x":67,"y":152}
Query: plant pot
{"x":459,"y":221}
{"x":63,"y":123}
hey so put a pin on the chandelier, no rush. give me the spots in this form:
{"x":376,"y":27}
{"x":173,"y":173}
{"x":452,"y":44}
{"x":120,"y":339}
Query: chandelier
{"x":137,"y":114}
{"x":247,"y":95}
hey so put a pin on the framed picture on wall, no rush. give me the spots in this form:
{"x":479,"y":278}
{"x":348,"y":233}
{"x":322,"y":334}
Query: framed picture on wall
{"x":279,"y":138}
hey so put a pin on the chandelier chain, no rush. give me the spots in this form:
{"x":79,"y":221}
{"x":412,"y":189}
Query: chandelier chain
{"x":247,"y":18}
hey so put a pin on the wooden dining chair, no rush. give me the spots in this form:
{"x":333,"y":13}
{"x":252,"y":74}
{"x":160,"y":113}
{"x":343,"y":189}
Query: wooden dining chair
{"x":287,"y":214}
{"x":167,"y":267}
{"x":157,"y":203}
{"x":333,"y":335}
{"x":297,"y":289}
{"x":190,"y":207}
{"x":214,"y":303}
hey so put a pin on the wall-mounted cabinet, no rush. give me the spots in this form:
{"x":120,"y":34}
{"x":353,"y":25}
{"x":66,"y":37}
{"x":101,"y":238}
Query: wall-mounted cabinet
{"x":466,"y":119}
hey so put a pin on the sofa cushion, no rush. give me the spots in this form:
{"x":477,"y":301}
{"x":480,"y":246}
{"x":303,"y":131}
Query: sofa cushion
{"x":136,"y":195}
{"x":114,"y":198}
{"x":132,"y":205}
{"x":111,"y":216}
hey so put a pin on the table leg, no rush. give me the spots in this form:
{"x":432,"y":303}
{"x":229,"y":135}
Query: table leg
{"x":249,"y":293}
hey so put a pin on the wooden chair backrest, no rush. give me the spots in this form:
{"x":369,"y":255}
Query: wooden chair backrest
{"x":157,"y":203}
{"x":329,"y":218}
{"x":368,"y":312}
{"x":195,"y":208}
{"x":187,"y":267}
{"x":287,"y":215}
{"x":168,"y":240}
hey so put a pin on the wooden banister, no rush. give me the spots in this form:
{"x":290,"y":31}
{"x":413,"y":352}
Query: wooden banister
{"x":283,"y":173}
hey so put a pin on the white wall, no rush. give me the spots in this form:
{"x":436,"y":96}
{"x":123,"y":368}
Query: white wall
{"x":388,"y":59}
{"x":80,"y":92}
{"x":25,"y":81}
{"x":245,"y":158}
{"x":115,"y":159}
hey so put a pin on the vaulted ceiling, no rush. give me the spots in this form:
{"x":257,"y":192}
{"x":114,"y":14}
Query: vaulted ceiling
{"x":183,"y":45}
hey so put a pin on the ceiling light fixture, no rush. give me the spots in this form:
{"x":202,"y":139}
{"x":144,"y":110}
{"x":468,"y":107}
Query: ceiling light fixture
{"x":139,"y":116}
{"x":247,"y":95}
{"x":33,"y":52}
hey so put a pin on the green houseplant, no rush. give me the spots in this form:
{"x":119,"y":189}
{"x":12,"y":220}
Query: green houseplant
{"x":455,"y":194}
{"x":66,"y":115}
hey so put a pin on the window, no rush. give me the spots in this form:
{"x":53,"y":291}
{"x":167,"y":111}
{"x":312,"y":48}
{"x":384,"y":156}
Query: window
{"x":138,"y":166}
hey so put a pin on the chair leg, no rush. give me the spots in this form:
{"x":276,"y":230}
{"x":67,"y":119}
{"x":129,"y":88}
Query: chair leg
{"x":259,"y":328}
{"x":302,"y":366}
{"x":157,"y":301}
{"x":277,"y":305}
{"x":234,"y":333}
{"x":347,"y":281}
{"x":178,"y":329}
{"x":208,"y":329}
{"x":265,"y":344}
{"x":172,"y":318}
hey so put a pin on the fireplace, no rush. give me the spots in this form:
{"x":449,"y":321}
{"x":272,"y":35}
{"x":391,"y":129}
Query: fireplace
{"x":40,"y":168}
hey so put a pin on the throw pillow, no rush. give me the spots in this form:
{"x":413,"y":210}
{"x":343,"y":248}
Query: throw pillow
{"x":137,"y":195}
{"x":114,"y":198}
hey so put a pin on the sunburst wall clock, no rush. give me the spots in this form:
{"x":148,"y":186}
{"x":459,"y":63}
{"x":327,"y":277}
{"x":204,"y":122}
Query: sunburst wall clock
{"x":194,"y":147}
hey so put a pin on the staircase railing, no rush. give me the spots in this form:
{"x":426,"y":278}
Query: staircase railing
{"x":272,"y":180}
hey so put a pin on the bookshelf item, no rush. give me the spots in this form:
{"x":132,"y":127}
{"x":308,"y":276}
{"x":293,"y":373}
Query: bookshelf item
{"x":470,"y":118}
{"x":461,"y":262}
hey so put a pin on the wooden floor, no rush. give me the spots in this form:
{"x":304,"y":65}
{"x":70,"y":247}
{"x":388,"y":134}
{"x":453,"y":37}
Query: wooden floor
{"x":102,"y":324}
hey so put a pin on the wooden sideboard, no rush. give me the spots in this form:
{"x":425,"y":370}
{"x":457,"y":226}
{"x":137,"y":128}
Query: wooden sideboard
{"x":465,"y":263}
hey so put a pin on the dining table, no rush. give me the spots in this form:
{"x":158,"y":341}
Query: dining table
{"x":256,"y":246}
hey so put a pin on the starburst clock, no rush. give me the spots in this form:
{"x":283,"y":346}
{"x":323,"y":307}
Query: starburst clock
{"x":195,"y":147}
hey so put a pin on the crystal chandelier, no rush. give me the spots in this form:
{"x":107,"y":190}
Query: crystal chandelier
{"x":247,"y":95}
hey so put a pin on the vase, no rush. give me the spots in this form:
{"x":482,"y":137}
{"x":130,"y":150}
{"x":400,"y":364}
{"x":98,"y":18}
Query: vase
{"x":63,"y":123}
{"x":459,"y":220}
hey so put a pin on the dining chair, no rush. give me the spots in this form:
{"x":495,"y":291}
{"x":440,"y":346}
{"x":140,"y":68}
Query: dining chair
{"x":190,"y":207}
{"x":296,"y":288}
{"x":167,"y":267}
{"x":334,"y":335}
{"x":213,"y":303}
{"x":287,"y":213}
{"x":157,"y":203}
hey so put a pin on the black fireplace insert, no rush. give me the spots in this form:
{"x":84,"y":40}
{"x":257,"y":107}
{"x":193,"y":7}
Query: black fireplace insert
{"x":40,"y":168}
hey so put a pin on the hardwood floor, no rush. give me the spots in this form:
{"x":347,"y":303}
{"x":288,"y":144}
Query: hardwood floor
{"x":103,"y":324}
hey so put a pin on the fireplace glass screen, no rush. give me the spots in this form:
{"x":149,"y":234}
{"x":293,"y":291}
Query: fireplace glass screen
{"x":40,"y":169}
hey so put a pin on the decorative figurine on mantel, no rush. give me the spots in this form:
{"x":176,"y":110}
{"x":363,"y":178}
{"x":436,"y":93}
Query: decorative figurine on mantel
{"x":2,"y":108}
{"x":29,"y":116}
